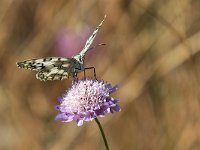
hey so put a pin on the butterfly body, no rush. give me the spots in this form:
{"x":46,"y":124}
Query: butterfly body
{"x":59,"y":68}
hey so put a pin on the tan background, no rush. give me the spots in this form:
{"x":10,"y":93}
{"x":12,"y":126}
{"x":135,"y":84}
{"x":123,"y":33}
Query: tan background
{"x":152,"y":52}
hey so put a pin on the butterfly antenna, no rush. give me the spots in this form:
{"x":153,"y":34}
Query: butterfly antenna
{"x":93,"y":47}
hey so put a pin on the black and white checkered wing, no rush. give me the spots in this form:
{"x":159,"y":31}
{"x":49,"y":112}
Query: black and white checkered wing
{"x":91,"y":38}
{"x":51,"y":68}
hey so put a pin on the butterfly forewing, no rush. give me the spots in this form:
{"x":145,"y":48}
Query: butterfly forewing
{"x":51,"y":68}
{"x":91,"y":38}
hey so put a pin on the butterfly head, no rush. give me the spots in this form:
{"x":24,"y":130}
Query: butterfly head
{"x":80,"y":58}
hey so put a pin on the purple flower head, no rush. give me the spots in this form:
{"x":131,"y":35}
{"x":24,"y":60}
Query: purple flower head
{"x":86,"y":100}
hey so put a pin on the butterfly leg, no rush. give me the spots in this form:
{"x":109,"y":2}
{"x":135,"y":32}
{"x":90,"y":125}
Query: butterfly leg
{"x":93,"y":70}
{"x":84,"y":74}
{"x":88,"y":68}
{"x":75,"y":77}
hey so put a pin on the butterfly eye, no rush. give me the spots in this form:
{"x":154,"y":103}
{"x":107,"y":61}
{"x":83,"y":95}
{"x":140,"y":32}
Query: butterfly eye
{"x":80,"y":59}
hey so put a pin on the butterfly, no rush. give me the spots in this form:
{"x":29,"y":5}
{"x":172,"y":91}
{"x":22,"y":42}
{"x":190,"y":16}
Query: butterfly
{"x":59,"y":68}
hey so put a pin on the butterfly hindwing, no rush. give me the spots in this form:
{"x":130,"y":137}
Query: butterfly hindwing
{"x":52,"y":74}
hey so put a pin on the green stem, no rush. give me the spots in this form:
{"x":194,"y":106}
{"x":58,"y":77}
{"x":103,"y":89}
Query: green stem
{"x":102,"y":133}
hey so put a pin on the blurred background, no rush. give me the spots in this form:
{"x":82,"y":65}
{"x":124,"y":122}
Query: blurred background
{"x":152,"y":53}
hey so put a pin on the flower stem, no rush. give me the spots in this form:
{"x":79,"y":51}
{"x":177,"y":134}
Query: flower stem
{"x":102,"y":133}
